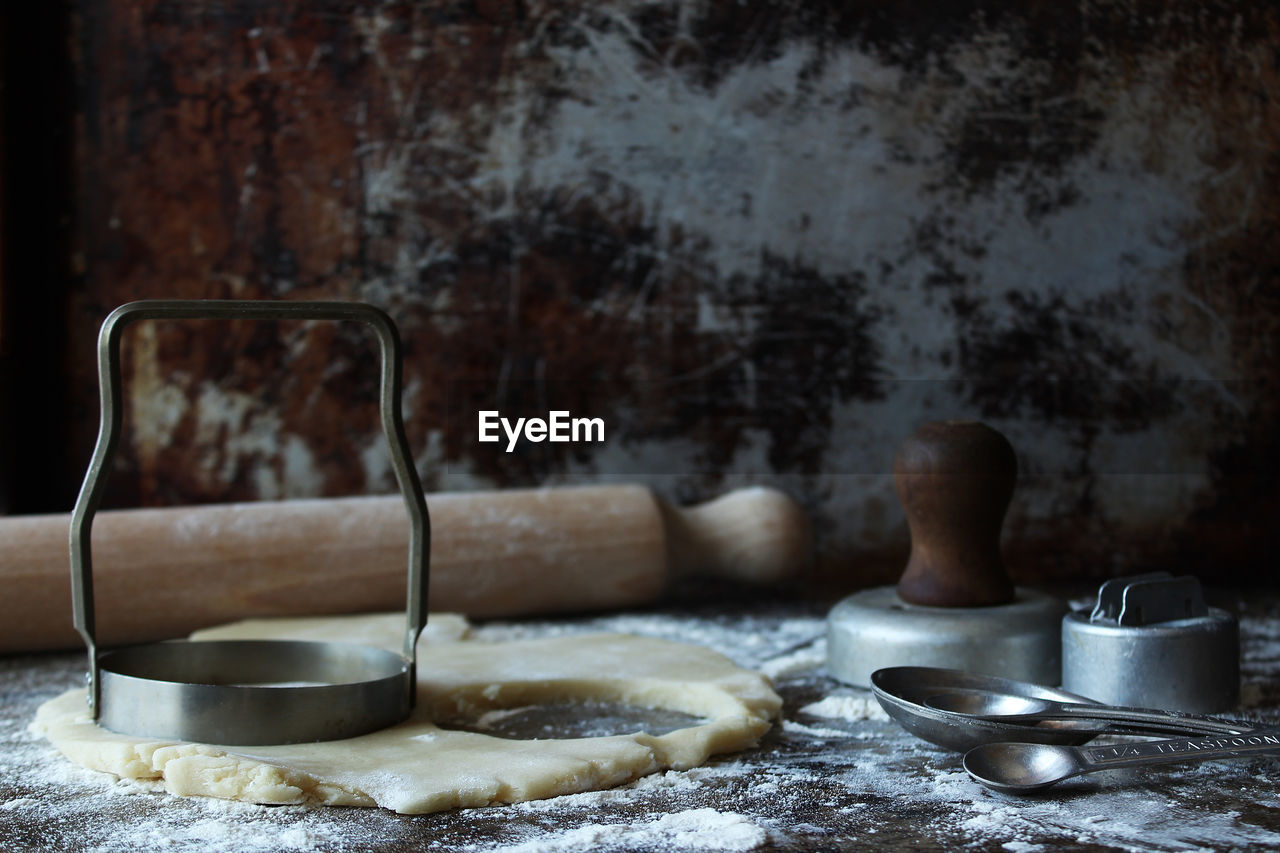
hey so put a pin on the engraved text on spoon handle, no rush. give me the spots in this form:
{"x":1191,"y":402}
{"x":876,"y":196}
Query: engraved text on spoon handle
{"x":1260,"y":741}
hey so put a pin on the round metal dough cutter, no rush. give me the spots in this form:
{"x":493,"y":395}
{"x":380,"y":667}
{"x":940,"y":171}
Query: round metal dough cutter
{"x":955,"y":606}
{"x":261,"y":691}
{"x":1151,"y":640}
{"x":875,"y":629}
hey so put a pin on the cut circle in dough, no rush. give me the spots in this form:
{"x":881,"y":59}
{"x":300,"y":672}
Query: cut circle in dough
{"x":417,"y":766}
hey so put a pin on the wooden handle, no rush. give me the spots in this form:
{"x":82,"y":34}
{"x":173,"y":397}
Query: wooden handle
{"x":162,"y":573}
{"x":955,"y":480}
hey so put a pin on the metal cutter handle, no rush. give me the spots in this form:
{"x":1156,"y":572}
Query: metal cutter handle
{"x":109,"y":433}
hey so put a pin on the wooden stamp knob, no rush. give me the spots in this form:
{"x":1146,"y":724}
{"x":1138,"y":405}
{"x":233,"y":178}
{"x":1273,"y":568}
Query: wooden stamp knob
{"x":955,"y":479}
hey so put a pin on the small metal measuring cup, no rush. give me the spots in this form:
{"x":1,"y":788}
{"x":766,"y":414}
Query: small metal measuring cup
{"x":249,"y":692}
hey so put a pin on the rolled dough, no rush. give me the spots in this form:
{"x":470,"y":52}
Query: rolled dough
{"x":417,"y":766}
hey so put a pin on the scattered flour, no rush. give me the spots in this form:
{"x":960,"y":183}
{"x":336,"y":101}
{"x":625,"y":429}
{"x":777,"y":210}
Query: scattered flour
{"x":800,"y":662}
{"x":852,"y":708}
{"x":791,"y":727}
{"x":489,"y":719}
{"x":1124,"y":816}
{"x":695,"y":829}
{"x":672,"y":783}
{"x":18,"y":803}
{"x":213,"y":835}
{"x":809,"y":785}
{"x":1022,"y":847}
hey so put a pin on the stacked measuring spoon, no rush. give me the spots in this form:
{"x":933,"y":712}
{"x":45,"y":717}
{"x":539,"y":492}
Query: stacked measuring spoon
{"x":1020,"y":738}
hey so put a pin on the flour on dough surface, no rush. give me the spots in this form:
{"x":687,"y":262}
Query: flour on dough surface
{"x":418,"y":766}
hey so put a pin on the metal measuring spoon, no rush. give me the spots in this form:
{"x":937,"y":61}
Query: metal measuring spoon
{"x":1024,"y":768}
{"x":1023,"y":710}
{"x":903,"y":691}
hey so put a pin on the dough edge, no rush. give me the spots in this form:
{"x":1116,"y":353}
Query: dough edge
{"x":417,"y":767}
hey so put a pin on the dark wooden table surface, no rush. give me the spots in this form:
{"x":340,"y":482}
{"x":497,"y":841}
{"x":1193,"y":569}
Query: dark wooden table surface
{"x":834,"y":774}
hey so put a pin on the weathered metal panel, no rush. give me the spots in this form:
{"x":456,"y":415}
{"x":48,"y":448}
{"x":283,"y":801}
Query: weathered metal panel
{"x":761,"y":241}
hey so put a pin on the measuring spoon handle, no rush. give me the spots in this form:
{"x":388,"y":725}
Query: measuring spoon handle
{"x":1166,"y":720}
{"x":1255,"y":742}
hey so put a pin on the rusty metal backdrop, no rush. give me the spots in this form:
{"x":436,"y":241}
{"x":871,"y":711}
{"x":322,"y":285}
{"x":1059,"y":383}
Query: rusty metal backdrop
{"x":762,"y":241}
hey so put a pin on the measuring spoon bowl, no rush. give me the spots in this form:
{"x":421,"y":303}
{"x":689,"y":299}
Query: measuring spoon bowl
{"x":904,"y":692}
{"x":1026,"y":768}
{"x":1021,"y":709}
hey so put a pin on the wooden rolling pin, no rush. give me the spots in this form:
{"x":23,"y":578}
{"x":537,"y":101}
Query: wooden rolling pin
{"x":162,"y":573}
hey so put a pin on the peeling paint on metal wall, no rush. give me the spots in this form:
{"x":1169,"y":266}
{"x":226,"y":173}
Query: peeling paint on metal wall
{"x":762,"y":241}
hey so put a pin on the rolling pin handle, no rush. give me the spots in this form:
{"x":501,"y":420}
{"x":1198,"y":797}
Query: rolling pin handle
{"x":755,"y":535}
